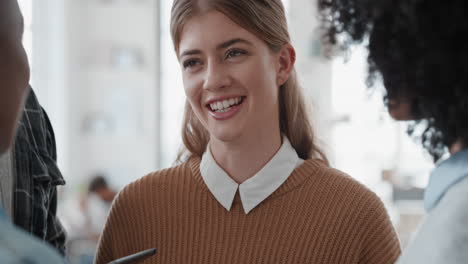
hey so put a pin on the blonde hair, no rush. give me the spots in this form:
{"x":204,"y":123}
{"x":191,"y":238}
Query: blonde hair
{"x":266,"y":19}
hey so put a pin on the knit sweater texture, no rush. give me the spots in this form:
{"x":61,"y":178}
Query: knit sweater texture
{"x":319,"y":215}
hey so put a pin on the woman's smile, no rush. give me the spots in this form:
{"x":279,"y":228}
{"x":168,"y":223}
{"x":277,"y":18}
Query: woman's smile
{"x":223,"y":109}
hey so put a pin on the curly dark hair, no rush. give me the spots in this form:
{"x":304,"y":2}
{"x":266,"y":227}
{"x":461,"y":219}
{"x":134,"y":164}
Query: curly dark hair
{"x":416,"y":48}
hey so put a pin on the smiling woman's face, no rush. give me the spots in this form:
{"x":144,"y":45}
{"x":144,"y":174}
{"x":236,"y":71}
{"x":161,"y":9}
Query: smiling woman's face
{"x":230,"y":76}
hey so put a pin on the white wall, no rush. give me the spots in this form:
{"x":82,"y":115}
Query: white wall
{"x":48,"y":66}
{"x":314,"y":71}
{"x":112,"y":101}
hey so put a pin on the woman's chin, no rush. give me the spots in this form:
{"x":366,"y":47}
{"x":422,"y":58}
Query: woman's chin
{"x":225,"y":135}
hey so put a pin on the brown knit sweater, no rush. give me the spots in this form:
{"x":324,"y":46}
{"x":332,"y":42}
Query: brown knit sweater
{"x":319,"y":215}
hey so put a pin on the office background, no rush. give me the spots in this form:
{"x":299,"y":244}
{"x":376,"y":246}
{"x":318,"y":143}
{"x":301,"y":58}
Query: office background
{"x":106,"y":73}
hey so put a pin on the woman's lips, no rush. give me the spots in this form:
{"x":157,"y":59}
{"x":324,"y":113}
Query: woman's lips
{"x":226,"y":113}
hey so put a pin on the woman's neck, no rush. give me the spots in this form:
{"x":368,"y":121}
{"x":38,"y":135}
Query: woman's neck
{"x":245,"y":157}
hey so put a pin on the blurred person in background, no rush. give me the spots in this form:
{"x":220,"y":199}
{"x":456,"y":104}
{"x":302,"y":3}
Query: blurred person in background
{"x":252,"y":186}
{"x":98,"y":203}
{"x":416,"y":48}
{"x":88,"y":222}
{"x":22,"y":199}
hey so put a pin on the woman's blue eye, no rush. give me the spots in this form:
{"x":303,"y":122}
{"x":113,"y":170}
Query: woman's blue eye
{"x":234,"y":53}
{"x":190,"y":63}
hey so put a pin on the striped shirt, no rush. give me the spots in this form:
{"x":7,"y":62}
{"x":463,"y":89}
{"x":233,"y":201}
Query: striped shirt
{"x":37,"y":176}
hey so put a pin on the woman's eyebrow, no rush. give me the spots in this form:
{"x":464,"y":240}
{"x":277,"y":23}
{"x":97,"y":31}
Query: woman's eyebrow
{"x":220,"y":46}
{"x":232,"y":42}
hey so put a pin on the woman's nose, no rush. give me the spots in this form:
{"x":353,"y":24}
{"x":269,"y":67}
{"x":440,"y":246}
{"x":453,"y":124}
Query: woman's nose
{"x":216,"y":77}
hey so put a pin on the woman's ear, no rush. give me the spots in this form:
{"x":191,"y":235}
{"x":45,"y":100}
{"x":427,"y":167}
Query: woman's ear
{"x":287,"y":58}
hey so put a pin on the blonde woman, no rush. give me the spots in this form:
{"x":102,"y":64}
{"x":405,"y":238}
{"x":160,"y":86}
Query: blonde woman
{"x":254,"y":186}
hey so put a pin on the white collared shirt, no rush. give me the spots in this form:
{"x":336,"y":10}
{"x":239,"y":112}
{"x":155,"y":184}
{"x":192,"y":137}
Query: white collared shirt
{"x":257,"y":188}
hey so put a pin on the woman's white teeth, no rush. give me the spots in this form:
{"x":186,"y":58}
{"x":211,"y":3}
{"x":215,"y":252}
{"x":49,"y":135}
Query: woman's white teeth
{"x":225,"y":105}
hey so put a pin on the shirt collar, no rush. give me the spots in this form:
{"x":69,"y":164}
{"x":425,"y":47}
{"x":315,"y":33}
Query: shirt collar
{"x":447,"y":174}
{"x":257,"y":188}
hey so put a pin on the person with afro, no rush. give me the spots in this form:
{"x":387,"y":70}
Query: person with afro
{"x":416,"y":48}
